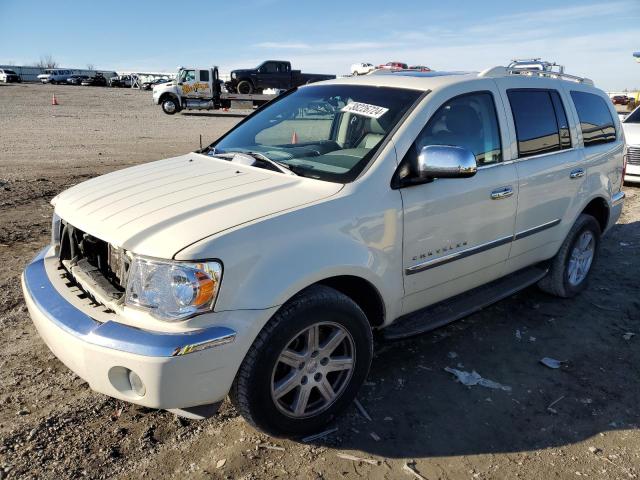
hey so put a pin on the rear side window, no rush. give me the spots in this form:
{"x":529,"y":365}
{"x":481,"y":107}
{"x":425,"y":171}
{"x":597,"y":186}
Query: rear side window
{"x":204,"y":75}
{"x":540,"y":120}
{"x":595,"y":118}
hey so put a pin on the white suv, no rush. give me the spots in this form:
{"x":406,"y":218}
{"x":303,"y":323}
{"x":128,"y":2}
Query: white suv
{"x":260,"y":266}
{"x":362,"y":68}
{"x":631,"y":127}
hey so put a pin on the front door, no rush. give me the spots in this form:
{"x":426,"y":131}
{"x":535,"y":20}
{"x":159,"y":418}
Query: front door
{"x":458,"y":231}
{"x":187,"y":83}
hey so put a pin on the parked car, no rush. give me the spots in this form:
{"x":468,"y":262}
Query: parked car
{"x":362,"y":68}
{"x":420,"y":68}
{"x":270,"y":74}
{"x":394,"y":66}
{"x":631,"y":127}
{"x":148,"y":85}
{"x":9,"y":76}
{"x":121,"y":81}
{"x":77,"y":79}
{"x":96,"y":81}
{"x":54,"y":76}
{"x":620,"y":100}
{"x":260,"y":266}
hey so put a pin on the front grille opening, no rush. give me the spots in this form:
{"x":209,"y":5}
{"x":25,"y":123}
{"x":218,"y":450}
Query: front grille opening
{"x":96,"y":267}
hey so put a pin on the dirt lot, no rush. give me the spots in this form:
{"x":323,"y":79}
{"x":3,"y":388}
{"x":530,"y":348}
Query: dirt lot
{"x":581,"y":420}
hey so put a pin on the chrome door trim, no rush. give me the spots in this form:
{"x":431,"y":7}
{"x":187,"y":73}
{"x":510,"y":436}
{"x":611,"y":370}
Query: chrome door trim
{"x":467,"y":252}
{"x":534,"y":230}
{"x":577,"y":173}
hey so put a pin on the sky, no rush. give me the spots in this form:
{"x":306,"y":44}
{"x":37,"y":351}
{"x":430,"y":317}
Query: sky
{"x":595,"y":39}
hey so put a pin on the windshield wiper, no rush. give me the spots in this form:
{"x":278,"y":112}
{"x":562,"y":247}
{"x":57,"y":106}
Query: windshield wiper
{"x":280,"y":166}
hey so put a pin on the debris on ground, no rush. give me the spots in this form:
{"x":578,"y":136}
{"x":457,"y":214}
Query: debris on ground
{"x":361,"y":409}
{"x":346,"y":456}
{"x":550,"y":407}
{"x":474,"y":378}
{"x":220,"y":463}
{"x":317,"y":436}
{"x":551,"y":362}
{"x":410,"y":468}
{"x":271,"y":447}
{"x":594,"y":450}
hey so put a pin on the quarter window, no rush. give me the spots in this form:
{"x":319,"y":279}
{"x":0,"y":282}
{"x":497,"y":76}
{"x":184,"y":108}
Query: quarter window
{"x":595,"y":118}
{"x":468,"y":121}
{"x":540,"y":121}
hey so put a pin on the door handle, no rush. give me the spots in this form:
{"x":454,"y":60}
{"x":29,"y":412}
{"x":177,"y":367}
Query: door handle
{"x":499,"y":194}
{"x":577,"y":173}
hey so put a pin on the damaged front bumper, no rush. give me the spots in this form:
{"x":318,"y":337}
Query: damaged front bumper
{"x":177,"y":370}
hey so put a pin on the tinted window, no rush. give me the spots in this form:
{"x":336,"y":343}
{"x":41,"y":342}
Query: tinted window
{"x":535,"y":120}
{"x":468,"y":121}
{"x":204,"y":75}
{"x":634,"y":117}
{"x":269,"y":67}
{"x":595,"y":118}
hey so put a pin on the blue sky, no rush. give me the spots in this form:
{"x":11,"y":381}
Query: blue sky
{"x":595,"y":39}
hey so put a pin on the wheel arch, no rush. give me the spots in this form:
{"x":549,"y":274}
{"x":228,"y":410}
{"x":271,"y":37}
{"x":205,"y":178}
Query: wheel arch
{"x":598,"y":208}
{"x":171,"y":95}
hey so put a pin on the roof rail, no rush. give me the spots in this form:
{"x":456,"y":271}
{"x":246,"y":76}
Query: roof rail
{"x":533,"y":67}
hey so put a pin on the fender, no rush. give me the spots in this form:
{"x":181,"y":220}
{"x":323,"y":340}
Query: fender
{"x":268,"y":262}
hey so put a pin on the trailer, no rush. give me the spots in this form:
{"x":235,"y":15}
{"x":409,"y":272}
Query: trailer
{"x":200,"y":89}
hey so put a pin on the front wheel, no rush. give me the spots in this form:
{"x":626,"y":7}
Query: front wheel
{"x":170,"y":105}
{"x":570,"y":268}
{"x":306,"y":365}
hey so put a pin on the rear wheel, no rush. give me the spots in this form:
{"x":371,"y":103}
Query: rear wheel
{"x":570,"y":268}
{"x":306,"y":365}
{"x":245,"y":87}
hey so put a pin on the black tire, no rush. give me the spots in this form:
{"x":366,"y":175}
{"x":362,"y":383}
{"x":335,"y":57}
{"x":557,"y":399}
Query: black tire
{"x":244,"y":87}
{"x":251,"y":390}
{"x":170,"y":105}
{"x":557,"y":280}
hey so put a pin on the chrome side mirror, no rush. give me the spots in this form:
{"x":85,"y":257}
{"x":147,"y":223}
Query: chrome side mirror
{"x":445,"y":161}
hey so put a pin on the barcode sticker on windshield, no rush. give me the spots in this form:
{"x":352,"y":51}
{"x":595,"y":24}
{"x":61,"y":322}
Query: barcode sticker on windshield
{"x":364,"y":109}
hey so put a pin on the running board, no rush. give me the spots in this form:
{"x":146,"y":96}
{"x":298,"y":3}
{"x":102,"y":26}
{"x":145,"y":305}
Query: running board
{"x":461,"y":305}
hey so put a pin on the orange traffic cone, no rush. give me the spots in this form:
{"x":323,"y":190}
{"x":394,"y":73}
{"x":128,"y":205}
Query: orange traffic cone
{"x":294,"y":138}
{"x":54,"y":101}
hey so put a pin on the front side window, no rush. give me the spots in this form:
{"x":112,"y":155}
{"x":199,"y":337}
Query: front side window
{"x":328,"y":132}
{"x":595,"y":118}
{"x":535,"y":121}
{"x":188,"y":76}
{"x":467,"y":121}
{"x":269,"y":67}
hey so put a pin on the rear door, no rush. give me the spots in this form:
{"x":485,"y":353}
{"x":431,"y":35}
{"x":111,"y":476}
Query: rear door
{"x":549,"y":164}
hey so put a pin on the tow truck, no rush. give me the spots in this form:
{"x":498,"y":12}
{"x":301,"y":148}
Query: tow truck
{"x":200,"y":89}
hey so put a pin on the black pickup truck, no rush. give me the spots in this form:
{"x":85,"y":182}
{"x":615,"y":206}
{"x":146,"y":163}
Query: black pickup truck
{"x":270,"y":74}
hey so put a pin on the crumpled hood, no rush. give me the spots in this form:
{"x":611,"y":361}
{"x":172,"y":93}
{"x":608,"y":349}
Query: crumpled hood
{"x":631,"y":133}
{"x":158,"y":208}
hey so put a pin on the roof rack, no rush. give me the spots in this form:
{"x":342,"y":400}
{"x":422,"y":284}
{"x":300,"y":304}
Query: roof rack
{"x":534,"y":67}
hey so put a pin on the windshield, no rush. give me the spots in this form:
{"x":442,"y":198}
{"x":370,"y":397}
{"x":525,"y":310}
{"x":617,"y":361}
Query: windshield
{"x":328,"y":132}
{"x":633,"y":117}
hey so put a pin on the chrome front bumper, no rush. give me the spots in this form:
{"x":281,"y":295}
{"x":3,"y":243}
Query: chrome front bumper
{"x":179,"y":370}
{"x":113,"y":334}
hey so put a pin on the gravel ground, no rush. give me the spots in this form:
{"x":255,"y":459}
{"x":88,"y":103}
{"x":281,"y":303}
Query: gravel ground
{"x":581,"y":420}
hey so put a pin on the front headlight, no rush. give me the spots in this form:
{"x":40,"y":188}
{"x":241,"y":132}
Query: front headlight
{"x":170,"y":290}
{"x":233,"y":75}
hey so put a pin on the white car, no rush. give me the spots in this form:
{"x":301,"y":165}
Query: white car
{"x":362,"y":68}
{"x":631,"y":127}
{"x":9,"y":76}
{"x":259,"y":267}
